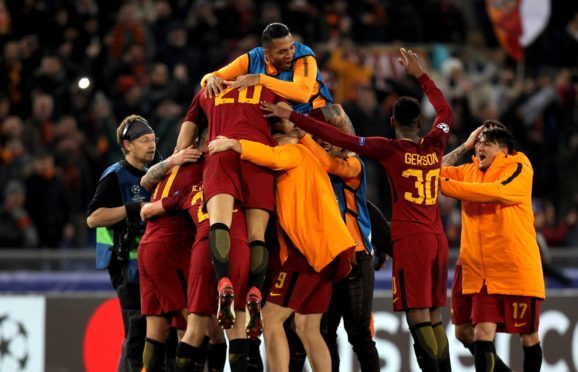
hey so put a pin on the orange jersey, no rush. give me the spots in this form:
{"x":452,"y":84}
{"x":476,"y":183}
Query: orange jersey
{"x":350,"y":171}
{"x":305,"y":203}
{"x":498,"y":242}
{"x":301,"y":89}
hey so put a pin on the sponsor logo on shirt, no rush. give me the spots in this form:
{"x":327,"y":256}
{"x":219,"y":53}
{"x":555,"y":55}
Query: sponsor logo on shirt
{"x":444,"y":127}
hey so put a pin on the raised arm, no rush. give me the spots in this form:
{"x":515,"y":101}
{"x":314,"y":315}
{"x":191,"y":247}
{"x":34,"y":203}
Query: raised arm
{"x":364,"y":146}
{"x":410,"y":62}
{"x":453,"y":157}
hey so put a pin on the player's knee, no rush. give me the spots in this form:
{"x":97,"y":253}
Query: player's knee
{"x":484,"y":332}
{"x":529,"y":339}
{"x":465,"y":333}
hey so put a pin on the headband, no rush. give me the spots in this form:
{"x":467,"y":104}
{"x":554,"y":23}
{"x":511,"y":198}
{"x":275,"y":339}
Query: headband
{"x":136,"y":128}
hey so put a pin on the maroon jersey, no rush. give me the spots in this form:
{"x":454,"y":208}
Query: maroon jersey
{"x":170,"y":228}
{"x":234,"y":113}
{"x":412,"y":168}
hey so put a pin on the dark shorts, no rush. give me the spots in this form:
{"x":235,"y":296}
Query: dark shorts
{"x":252,"y":185}
{"x":512,"y":314}
{"x":461,"y":304}
{"x":420,"y":272}
{"x":202,"y":284}
{"x":163,"y":270}
{"x":304,"y":291}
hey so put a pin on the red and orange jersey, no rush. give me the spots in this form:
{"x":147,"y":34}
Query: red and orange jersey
{"x":235,"y":113}
{"x":171,"y":228}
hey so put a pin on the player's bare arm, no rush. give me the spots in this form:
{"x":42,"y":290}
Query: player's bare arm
{"x":187,"y":135}
{"x":410,"y":62}
{"x":453,"y":157}
{"x":222,"y":143}
{"x":334,"y":114}
{"x":158,"y":171}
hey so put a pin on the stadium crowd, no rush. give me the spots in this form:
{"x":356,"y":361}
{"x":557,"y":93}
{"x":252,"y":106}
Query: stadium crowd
{"x":71,"y":70}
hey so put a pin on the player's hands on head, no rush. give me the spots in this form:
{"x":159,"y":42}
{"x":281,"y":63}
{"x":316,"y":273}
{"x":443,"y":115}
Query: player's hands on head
{"x":214,"y":86}
{"x":410,"y":62}
{"x":471,"y":141}
{"x":222,"y":143}
{"x":273,"y":110}
{"x":245,"y":81}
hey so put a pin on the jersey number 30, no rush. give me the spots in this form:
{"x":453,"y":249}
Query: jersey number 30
{"x":426,"y":186}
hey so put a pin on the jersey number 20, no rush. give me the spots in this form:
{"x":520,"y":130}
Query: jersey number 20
{"x":221,"y":99}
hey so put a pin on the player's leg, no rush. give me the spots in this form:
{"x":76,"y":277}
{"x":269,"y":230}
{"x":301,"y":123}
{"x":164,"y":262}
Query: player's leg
{"x":358,"y":290}
{"x":532,"y":352}
{"x":257,"y":220}
{"x":484,"y":350}
{"x":412,"y":293}
{"x":217,"y":347}
{"x":276,"y":345}
{"x":297,"y":354}
{"x":221,"y":189}
{"x":461,"y":317}
{"x":157,"y":333}
{"x":258,"y":188}
{"x":190,"y":354}
{"x":331,"y":319}
{"x":307,"y":327}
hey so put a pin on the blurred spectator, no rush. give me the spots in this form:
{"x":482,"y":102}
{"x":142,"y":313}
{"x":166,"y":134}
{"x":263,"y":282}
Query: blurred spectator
{"x":16,"y":227}
{"x":48,"y":202}
{"x":146,"y":57}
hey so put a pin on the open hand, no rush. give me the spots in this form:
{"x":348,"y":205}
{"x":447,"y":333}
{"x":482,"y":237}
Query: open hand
{"x":186,"y":155}
{"x":471,"y":141}
{"x":245,"y":81}
{"x":215,"y":85}
{"x":410,"y":62}
{"x":222,"y":143}
{"x":273,"y":110}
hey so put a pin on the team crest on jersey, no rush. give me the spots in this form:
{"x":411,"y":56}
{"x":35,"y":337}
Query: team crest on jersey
{"x":361,"y":141}
{"x":444,"y":127}
{"x":135,"y":189}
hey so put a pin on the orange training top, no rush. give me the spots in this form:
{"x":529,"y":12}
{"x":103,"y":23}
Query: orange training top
{"x":301,"y":89}
{"x":498,"y":242}
{"x":305,"y":203}
{"x":349,"y":170}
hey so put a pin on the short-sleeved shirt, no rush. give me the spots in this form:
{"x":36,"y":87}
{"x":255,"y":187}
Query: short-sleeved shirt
{"x":170,"y":228}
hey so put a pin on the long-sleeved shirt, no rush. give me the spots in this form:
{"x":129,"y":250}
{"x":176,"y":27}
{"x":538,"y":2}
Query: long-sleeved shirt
{"x":350,"y":171}
{"x":301,"y":89}
{"x":498,"y":242}
{"x":412,"y":168}
{"x":304,"y":200}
